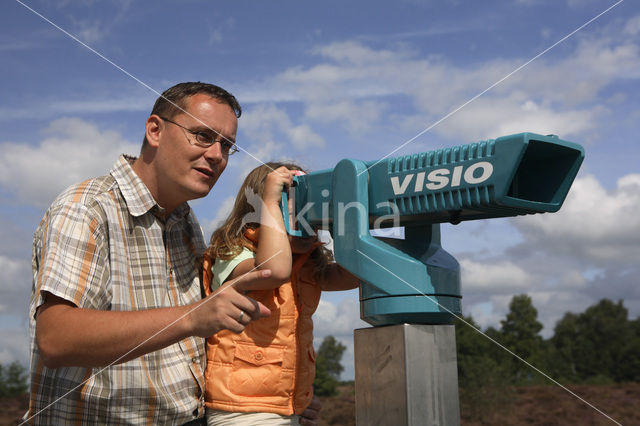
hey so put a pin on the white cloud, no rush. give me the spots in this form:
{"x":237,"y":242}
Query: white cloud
{"x":484,"y":315}
{"x":51,"y":108}
{"x":603,"y":226}
{"x":356,"y":116}
{"x":339,"y":320}
{"x":352,"y":82}
{"x":498,"y":277}
{"x":95,"y":30}
{"x":352,"y":71}
{"x":73,"y":151}
{"x":632,"y":26}
{"x":221,"y":214}
{"x":36,"y":38}
{"x":576,"y":3}
{"x":571,"y":293}
{"x":15,"y":285}
{"x":567,"y":261}
{"x":491,"y":117}
{"x":12,"y":270}
{"x":105,"y":105}
{"x":218,"y":29}
{"x":267,"y":123}
{"x":351,"y":52}
{"x":91,"y":31}
{"x":262,"y":122}
{"x":15,"y":346}
{"x":9,"y":45}
{"x":303,"y":137}
{"x":257,"y":153}
{"x":15,"y":288}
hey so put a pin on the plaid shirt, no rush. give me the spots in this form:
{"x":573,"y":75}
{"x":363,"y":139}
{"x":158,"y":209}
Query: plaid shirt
{"x":104,"y":244}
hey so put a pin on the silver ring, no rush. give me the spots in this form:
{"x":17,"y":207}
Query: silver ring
{"x":241,"y":315}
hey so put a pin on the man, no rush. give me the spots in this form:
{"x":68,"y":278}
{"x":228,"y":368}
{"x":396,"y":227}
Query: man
{"x":117,"y":319}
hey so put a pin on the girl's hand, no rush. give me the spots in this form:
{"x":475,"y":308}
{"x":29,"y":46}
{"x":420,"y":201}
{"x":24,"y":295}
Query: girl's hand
{"x":275,"y":183}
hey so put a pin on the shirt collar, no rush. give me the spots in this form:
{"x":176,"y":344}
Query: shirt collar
{"x":136,"y":194}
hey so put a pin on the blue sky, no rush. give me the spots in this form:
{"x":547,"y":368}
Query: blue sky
{"x":322,"y":81}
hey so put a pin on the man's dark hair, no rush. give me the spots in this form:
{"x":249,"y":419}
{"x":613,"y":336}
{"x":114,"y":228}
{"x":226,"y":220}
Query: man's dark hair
{"x":174,"y":99}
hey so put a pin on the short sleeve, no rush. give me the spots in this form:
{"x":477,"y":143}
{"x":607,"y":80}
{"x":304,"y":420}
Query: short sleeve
{"x":71,"y":258}
{"x":223,"y":268}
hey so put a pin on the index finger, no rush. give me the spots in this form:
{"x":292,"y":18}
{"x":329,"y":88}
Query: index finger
{"x":247,"y":281}
{"x":258,"y":309}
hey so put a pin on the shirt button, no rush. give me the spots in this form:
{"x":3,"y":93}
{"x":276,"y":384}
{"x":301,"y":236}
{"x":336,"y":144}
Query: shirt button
{"x":195,"y":360}
{"x":258,"y":356}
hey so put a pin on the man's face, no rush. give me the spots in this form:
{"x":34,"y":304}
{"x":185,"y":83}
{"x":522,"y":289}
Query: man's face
{"x":186,"y":171}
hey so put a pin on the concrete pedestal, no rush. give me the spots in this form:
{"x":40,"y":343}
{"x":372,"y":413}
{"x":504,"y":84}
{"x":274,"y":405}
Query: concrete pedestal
{"x":406,"y":374}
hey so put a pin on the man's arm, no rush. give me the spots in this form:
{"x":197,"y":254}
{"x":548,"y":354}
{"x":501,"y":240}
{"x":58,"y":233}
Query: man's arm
{"x":70,"y":336}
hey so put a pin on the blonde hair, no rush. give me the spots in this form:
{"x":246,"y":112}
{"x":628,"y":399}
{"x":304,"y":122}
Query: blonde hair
{"x":229,"y":239}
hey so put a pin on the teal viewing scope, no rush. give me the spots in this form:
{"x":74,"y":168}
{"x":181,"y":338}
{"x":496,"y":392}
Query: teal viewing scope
{"x":413,"y":280}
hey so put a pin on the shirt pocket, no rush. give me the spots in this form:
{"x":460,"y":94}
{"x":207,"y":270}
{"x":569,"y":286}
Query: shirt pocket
{"x":257,"y":370}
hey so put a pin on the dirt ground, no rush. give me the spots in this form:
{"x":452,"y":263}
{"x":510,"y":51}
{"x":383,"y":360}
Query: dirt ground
{"x":531,"y":405}
{"x":12,"y":409}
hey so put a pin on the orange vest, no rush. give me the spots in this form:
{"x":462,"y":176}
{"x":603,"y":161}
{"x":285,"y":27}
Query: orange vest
{"x":270,"y":366}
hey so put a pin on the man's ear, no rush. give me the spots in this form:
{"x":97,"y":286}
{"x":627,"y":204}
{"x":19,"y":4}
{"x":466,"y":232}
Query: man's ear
{"x":153,"y":127}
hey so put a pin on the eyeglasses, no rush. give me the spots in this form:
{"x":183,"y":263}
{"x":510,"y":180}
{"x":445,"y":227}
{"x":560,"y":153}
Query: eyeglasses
{"x":206,"y":140}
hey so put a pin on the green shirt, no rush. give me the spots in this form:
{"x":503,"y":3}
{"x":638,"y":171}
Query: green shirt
{"x":223,"y":268}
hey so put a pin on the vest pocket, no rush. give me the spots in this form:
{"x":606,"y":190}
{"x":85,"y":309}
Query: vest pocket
{"x":308,"y":373}
{"x":309,"y":294}
{"x":257,"y":370}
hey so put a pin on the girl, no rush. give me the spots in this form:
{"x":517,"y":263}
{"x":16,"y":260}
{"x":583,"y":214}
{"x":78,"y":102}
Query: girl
{"x":264,"y":375}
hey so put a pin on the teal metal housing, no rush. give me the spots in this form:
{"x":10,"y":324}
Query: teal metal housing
{"x":414,"y":280}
